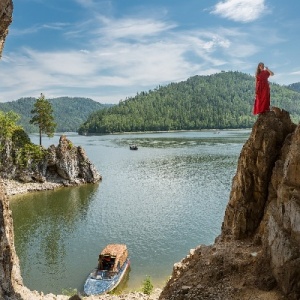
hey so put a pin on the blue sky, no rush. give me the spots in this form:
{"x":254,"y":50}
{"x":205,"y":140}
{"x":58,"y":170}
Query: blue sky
{"x":108,"y":50}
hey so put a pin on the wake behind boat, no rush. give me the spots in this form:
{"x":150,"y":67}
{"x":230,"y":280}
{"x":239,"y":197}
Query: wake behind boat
{"x":113,"y":263}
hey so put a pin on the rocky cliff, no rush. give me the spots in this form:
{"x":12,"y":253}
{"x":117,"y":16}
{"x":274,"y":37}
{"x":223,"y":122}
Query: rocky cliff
{"x":6,"y":10}
{"x":8,"y":257}
{"x":25,"y":166}
{"x":257,"y":255}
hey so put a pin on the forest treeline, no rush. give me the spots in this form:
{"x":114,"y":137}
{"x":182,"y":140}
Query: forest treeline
{"x":223,"y":100}
{"x":69,"y":112}
{"x":294,"y":86}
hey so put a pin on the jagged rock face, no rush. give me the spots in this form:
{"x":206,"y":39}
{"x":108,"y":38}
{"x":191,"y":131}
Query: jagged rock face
{"x":257,"y":255}
{"x":65,"y":164}
{"x":7,"y":252}
{"x":6,"y":10}
{"x":249,"y":192}
{"x":265,"y":196}
{"x":281,"y":226}
{"x":71,"y":163}
{"x":6,"y":161}
{"x":6,"y":255}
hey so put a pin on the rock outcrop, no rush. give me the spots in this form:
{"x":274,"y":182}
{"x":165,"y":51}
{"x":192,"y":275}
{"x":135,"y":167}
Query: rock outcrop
{"x":250,"y":188}
{"x":257,"y":255}
{"x":71,"y":163}
{"x":6,"y":10}
{"x":8,"y":257}
{"x":40,"y":168}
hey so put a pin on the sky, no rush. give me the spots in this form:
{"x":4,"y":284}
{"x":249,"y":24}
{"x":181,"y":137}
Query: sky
{"x":109,"y":50}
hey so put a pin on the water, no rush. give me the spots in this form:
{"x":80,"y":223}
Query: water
{"x":161,"y":201}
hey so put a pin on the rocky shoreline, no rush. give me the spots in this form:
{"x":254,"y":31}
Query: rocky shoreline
{"x":130,"y":296}
{"x":14,"y":187}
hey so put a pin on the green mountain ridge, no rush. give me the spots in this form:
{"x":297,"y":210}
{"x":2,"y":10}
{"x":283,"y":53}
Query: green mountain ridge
{"x":294,"y":86}
{"x":222,"y":100}
{"x":69,"y":112}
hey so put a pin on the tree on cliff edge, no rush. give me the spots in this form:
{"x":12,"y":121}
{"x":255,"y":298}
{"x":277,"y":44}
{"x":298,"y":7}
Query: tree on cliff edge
{"x":43,"y":117}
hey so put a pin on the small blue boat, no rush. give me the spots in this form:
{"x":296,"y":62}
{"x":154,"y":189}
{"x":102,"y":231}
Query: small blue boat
{"x":113,"y":263}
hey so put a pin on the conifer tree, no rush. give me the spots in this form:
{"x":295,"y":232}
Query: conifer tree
{"x":43,"y":117}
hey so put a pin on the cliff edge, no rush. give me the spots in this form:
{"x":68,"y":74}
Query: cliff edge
{"x":257,"y":255}
{"x":6,"y":10}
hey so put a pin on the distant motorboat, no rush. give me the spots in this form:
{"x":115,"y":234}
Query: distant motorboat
{"x":113,"y":263}
{"x":133,"y":147}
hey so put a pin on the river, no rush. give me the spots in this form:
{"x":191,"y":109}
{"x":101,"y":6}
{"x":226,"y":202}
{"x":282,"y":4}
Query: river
{"x":162,"y":200}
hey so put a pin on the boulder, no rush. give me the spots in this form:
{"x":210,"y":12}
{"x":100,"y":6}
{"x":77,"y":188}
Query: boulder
{"x":71,"y":163}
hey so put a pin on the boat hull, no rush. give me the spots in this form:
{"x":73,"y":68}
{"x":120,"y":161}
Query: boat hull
{"x":133,"y":147}
{"x":100,"y":283}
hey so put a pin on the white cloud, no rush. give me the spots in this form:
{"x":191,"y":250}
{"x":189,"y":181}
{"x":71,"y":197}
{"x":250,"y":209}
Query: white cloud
{"x":133,"y":28}
{"x":240,"y":10}
{"x":295,"y":73}
{"x":93,"y":4}
{"x":120,"y":56}
{"x":38,"y":27}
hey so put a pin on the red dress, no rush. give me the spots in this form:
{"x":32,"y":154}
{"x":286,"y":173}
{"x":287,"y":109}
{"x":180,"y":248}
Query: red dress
{"x":262,"y":98}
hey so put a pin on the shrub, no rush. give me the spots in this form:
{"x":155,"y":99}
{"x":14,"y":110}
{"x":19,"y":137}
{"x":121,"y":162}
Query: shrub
{"x":147,"y":286}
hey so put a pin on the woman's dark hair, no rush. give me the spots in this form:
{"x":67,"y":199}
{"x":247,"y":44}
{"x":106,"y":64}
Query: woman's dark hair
{"x":258,"y":69}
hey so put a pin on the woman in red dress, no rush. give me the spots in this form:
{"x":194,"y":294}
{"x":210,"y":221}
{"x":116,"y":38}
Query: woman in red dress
{"x":262,"y":89}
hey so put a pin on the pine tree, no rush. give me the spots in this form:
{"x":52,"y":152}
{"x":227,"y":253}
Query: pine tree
{"x":43,"y":117}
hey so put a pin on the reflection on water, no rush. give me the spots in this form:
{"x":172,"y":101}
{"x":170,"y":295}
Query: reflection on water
{"x":123,"y":285}
{"x":161,"y":201}
{"x":44,"y":223}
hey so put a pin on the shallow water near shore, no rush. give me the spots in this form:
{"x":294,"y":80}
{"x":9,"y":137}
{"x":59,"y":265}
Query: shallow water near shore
{"x":162,"y":200}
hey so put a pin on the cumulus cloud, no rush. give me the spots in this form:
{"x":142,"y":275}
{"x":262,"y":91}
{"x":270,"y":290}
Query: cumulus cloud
{"x":240,"y":10}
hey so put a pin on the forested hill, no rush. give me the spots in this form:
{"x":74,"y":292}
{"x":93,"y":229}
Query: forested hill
{"x":223,"y":100}
{"x":69,"y":113}
{"x":294,"y":86}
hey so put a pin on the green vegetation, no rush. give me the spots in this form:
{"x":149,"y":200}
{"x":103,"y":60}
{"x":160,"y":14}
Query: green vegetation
{"x":29,"y":153}
{"x":8,"y":124}
{"x":69,"y":113}
{"x":70,"y":292}
{"x":147,"y":286}
{"x":223,"y":100}
{"x":43,"y":117}
{"x":294,"y":86}
{"x":14,"y":139}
